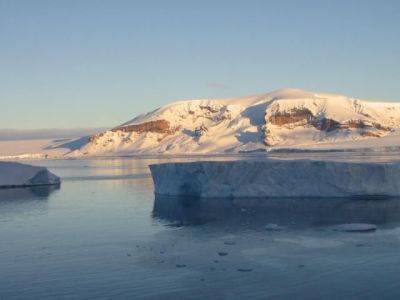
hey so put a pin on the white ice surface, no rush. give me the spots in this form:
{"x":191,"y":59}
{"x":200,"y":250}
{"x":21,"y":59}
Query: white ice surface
{"x":30,"y":149}
{"x":15,"y":174}
{"x":274,"y":178}
{"x":241,"y":124}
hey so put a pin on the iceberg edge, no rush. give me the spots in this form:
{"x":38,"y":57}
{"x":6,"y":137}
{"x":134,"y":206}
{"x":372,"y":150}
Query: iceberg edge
{"x":276,"y":178}
{"x":15,"y":175}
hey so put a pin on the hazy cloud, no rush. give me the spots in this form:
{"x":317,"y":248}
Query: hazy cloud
{"x":35,"y":134}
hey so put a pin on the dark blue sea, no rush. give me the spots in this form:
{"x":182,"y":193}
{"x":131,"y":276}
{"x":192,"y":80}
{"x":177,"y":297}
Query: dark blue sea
{"x":104,"y":235}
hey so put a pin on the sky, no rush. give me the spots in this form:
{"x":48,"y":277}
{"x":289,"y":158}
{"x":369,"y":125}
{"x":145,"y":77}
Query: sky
{"x":95,"y":63}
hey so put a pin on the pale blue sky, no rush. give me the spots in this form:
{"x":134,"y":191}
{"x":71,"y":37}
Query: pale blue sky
{"x":99,"y":63}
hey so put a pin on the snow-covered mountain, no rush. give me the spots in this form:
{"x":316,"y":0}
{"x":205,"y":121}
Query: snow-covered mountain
{"x":284,"y":118}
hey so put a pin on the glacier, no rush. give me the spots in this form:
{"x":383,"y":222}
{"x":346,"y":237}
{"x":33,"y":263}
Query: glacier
{"x":14,"y":174}
{"x":276,"y":178}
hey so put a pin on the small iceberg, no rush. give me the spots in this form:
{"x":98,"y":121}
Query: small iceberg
{"x":355,"y":227}
{"x":273,"y":227}
{"x":14,"y":174}
{"x":277,"y":178}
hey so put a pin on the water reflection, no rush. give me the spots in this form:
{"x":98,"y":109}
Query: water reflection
{"x":27,"y":193}
{"x":22,"y":202}
{"x":314,"y":212}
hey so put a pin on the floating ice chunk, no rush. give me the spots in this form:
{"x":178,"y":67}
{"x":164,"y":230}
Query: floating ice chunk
{"x":245,"y":270}
{"x":273,"y":227}
{"x":275,"y":178}
{"x":355,"y":227}
{"x":230,"y":243}
{"x":18,"y":175}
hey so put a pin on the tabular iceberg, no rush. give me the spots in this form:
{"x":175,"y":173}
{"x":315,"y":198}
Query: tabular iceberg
{"x":275,"y":178}
{"x":19,"y":175}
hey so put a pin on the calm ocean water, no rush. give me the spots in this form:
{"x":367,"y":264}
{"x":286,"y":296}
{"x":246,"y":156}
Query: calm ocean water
{"x":103,"y":235}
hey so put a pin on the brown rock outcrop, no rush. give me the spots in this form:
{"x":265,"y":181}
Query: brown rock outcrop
{"x":306,"y":117}
{"x":294,"y":116}
{"x":356,"y":124}
{"x":369,"y":134}
{"x":158,"y":126}
{"x":383,"y":128}
{"x":326,"y":124}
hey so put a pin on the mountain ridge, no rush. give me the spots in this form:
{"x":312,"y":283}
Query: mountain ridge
{"x":284,"y":118}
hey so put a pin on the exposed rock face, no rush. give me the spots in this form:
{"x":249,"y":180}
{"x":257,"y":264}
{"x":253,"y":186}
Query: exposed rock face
{"x":383,"y":128}
{"x":211,"y":108}
{"x":159,"y":126}
{"x":303,"y":117}
{"x":325,"y":124}
{"x":123,"y":134}
{"x":356,"y":124}
{"x":213,"y":112}
{"x":293,"y":116}
{"x":200,"y":131}
{"x":359,"y":124}
{"x":95,"y":137}
{"x":370,"y":134}
{"x":285,"y":118}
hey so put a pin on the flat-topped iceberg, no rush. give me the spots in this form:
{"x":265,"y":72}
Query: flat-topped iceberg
{"x":19,"y":175}
{"x":276,"y":178}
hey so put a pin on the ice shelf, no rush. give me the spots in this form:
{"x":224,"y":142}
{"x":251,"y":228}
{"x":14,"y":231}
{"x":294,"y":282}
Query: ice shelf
{"x":276,"y":178}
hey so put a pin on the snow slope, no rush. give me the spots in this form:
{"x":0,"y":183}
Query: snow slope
{"x":284,"y":118}
{"x":42,"y":143}
{"x":281,"y":120}
{"x":39,"y":149}
{"x":18,"y":175}
{"x":275,"y":178}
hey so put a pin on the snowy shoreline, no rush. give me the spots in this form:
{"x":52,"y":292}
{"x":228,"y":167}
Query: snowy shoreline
{"x":272,"y":152}
{"x":277,"y":178}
